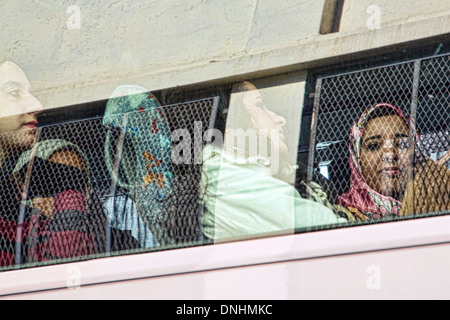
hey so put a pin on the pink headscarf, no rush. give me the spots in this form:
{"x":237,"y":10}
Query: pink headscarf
{"x":363,"y":201}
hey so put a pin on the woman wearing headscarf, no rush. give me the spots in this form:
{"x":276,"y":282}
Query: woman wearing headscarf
{"x":138,"y":157}
{"x":57,"y":218}
{"x":43,"y":194}
{"x":390,"y":176}
{"x":245,"y":189}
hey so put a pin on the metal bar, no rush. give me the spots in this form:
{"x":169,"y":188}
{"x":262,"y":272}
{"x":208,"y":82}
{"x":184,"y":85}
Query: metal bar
{"x":413,"y":112}
{"x":415,"y":92}
{"x":21,"y":218}
{"x":212,"y":120}
{"x":383,"y":66}
{"x":113,"y":186}
{"x":312,"y":140}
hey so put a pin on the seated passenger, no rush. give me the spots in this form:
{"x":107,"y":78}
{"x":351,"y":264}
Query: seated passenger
{"x":54,"y":208}
{"x":59,"y":194}
{"x":384,"y":180}
{"x":47,"y":210}
{"x":245,"y":186}
{"x":137,"y":154}
{"x":34,"y":224}
{"x":18,"y":113}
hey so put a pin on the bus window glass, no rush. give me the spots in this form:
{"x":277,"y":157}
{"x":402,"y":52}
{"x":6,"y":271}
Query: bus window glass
{"x":389,"y":150}
{"x":250,"y":182}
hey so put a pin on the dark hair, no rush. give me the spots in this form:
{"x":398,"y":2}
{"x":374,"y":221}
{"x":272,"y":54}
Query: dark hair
{"x":244,"y":86}
{"x":240,"y":119}
{"x":384,"y":111}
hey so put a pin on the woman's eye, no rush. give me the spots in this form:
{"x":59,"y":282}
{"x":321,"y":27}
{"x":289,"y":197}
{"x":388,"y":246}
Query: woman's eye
{"x":14,"y":93}
{"x":373,"y":146}
{"x":260,"y":104}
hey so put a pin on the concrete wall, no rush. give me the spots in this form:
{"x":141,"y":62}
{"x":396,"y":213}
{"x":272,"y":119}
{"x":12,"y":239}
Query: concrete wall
{"x":79,"y":51}
{"x":360,"y":15}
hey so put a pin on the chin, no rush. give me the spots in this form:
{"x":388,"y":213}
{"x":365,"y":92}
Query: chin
{"x":19,"y":140}
{"x":393,"y":192}
{"x":27,"y":141}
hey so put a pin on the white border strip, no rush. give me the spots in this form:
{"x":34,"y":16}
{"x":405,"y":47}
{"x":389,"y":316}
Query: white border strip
{"x":353,"y":240}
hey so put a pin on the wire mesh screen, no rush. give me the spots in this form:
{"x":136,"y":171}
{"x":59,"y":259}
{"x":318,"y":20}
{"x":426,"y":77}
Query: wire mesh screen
{"x":82,"y":189}
{"x":346,"y":109}
{"x":433,"y":114}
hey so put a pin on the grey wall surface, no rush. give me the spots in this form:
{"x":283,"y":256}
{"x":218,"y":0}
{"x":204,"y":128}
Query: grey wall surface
{"x":79,"y":51}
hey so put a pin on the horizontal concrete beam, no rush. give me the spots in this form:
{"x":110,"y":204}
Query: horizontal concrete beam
{"x":312,"y":52}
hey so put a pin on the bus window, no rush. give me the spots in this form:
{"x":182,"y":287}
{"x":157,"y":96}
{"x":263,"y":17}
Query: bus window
{"x":154,"y":176}
{"x":124,"y":190}
{"x":402,"y":168}
{"x":250,"y":181}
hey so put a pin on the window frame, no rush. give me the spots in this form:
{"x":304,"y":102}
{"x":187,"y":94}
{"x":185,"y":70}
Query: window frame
{"x":264,"y":250}
{"x":103,"y":275}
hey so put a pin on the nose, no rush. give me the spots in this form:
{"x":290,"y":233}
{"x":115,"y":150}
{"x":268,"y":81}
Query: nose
{"x":281,"y":121}
{"x":33,"y":105}
{"x":389,"y":150}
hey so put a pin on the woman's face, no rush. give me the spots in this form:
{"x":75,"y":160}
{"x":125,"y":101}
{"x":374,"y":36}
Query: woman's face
{"x":18,"y":107}
{"x":267,"y":122}
{"x":385,"y":155}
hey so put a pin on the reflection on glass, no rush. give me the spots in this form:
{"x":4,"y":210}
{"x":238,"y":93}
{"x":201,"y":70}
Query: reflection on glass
{"x":138,"y":146}
{"x":44,"y":184}
{"x":19,"y":108}
{"x":244,"y":183}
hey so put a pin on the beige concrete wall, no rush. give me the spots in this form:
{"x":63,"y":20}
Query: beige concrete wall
{"x":358,"y":15}
{"x":162,"y":44}
{"x":117,"y":41}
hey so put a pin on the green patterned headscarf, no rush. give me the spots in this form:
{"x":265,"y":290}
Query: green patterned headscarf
{"x":46,"y":148}
{"x":141,"y":152}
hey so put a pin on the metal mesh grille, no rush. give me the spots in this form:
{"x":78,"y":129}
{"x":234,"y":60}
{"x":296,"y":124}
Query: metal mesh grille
{"x":433,"y":113}
{"x":418,"y":88}
{"x":59,"y":200}
{"x":342,"y":99}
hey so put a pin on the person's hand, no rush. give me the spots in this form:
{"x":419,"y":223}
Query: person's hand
{"x":429,"y":191}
